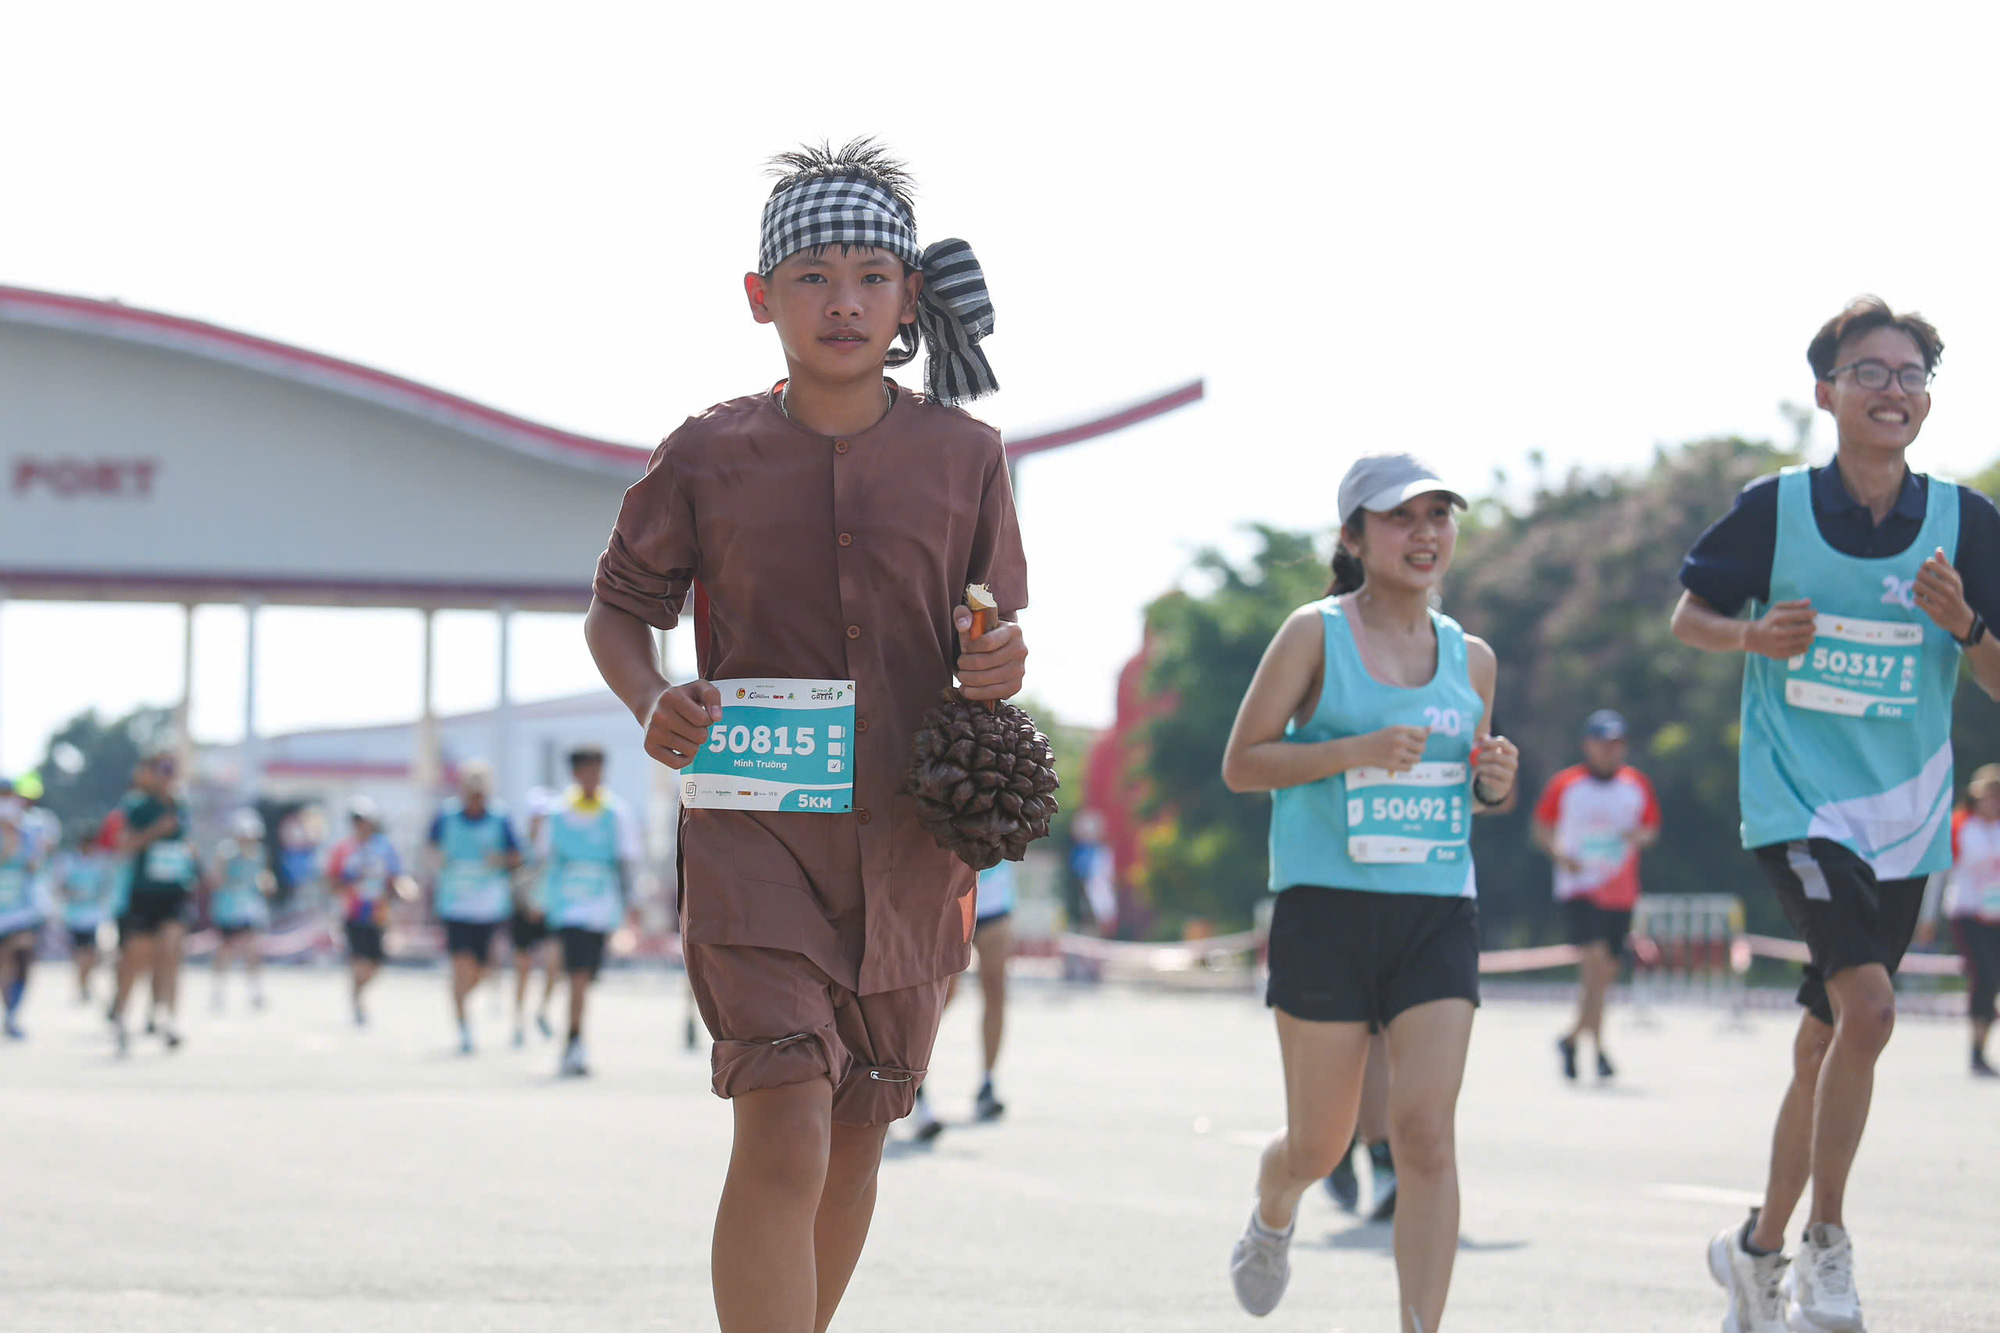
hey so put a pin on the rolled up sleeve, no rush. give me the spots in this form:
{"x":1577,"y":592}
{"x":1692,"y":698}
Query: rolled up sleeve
{"x":997,"y":559}
{"x":652,"y":557}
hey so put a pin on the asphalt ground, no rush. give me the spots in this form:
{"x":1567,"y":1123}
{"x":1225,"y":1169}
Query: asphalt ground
{"x":284,"y":1171}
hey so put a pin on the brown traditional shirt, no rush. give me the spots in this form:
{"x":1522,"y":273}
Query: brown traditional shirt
{"x":839,"y":559}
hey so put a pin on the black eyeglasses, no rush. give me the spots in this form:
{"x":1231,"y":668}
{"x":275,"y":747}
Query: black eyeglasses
{"x":1873,"y":374}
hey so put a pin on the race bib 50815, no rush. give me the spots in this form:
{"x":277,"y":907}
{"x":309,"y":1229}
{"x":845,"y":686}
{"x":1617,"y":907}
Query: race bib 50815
{"x":781,"y":745}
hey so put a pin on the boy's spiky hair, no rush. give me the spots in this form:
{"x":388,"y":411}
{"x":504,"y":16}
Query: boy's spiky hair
{"x":858,"y":159}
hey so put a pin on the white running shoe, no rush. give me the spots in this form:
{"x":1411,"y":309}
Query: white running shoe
{"x":1753,"y":1281}
{"x":1819,"y":1287}
{"x":1261,"y":1265}
{"x":574,"y":1063}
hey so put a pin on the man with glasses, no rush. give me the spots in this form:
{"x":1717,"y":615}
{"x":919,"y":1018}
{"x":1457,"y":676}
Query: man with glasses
{"x":161,"y":874}
{"x":1866,"y":585}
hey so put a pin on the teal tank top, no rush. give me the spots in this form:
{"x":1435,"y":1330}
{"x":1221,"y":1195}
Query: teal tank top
{"x":581,"y":888}
{"x":1851,"y":741}
{"x":1365,"y":829}
{"x":17,"y":899}
{"x":470,"y":887}
{"x":239,"y":900}
{"x":87,"y":889}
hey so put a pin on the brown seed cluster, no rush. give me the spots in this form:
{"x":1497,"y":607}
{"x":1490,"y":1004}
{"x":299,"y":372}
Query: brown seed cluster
{"x":984,"y":779}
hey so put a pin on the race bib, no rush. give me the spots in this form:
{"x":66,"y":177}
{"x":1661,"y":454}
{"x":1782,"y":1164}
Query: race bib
{"x":781,"y":745}
{"x":1858,"y":668}
{"x":1407,"y":818}
{"x":1601,"y":849}
{"x":169,"y":862}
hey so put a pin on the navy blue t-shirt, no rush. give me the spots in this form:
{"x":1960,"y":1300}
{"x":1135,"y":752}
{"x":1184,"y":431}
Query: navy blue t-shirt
{"x":1731,"y":564}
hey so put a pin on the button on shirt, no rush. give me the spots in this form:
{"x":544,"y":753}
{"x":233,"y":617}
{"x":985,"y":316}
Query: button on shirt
{"x":1730,"y":565}
{"x":761,"y":510}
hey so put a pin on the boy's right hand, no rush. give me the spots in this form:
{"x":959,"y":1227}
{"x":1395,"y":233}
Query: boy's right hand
{"x":1785,"y":631}
{"x":1398,"y":749}
{"x":678,"y":722}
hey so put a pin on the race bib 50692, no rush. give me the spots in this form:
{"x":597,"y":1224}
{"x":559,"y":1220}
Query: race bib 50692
{"x":781,"y":745}
{"x":1858,"y":668}
{"x":1407,"y":818}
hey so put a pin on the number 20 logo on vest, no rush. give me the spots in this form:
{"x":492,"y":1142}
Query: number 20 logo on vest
{"x":1450,"y":721}
{"x":1899,"y":592}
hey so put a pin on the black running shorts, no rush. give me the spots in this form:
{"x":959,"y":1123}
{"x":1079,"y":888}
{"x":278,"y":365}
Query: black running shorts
{"x":1846,"y":916}
{"x":148,"y":911}
{"x":473,"y":939}
{"x":526,"y":931}
{"x":1353,"y":956}
{"x":582,"y":950}
{"x":1586,"y":923}
{"x":82,"y":938}
{"x":364,"y":941}
{"x":1979,"y":946}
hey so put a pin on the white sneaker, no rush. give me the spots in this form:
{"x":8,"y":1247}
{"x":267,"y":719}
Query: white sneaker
{"x":574,"y":1064}
{"x":1753,"y":1281}
{"x":1819,"y":1287}
{"x":1261,"y":1265}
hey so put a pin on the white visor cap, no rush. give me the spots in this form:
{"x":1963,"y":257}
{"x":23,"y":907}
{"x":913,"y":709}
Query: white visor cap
{"x":1380,"y":482}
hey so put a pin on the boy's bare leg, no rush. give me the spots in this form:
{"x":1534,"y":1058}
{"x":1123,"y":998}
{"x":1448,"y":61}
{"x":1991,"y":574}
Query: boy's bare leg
{"x":846,"y":1206}
{"x":1427,"y":1046}
{"x":1864,"y":1017}
{"x":464,"y":977}
{"x":995,"y":945}
{"x":579,"y":993}
{"x":1791,"y":1140}
{"x":763,"y":1260}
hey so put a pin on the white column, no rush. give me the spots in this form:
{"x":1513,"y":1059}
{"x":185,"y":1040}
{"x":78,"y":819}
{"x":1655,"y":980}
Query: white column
{"x":503,"y":714}
{"x":252,"y":750}
{"x":3,"y":682}
{"x":184,"y":713}
{"x":426,"y":773}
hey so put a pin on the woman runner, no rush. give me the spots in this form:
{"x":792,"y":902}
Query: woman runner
{"x":1368,"y":721}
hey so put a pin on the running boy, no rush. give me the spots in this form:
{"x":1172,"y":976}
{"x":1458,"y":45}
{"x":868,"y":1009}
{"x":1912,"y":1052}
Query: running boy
{"x":834,"y":522}
{"x":241,"y":907}
{"x":473,"y":856}
{"x":588,"y":845}
{"x":164,"y":870}
{"x":1866,"y":583}
{"x":1593,"y":820}
{"x":1369,"y":722}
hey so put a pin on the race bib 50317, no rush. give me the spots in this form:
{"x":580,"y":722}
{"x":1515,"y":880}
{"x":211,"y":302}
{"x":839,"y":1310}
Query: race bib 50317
{"x":1858,"y":668}
{"x":1407,"y":818}
{"x":781,"y":745}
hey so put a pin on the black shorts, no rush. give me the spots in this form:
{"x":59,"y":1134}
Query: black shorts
{"x":1587,"y":923}
{"x":582,"y":950}
{"x":1846,"y":916}
{"x":994,"y":920}
{"x":148,"y":911}
{"x":364,"y":941}
{"x":527,"y":932}
{"x":1352,"y":956}
{"x":81,"y":938}
{"x":472,"y":938}
{"x":235,"y":930}
{"x":1979,"y":946}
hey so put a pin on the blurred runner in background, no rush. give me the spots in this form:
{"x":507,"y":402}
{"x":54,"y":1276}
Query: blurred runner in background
{"x":1973,"y":904}
{"x":528,"y":929}
{"x":1593,"y":820}
{"x":20,"y":914}
{"x":589,"y":845}
{"x":1371,"y":1131}
{"x":993,"y":941}
{"x":473,"y":855}
{"x":156,"y":838}
{"x":240,"y":910}
{"x":86,"y":882}
{"x":363,"y":872}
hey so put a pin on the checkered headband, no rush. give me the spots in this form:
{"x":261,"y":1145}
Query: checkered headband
{"x":954,"y":311}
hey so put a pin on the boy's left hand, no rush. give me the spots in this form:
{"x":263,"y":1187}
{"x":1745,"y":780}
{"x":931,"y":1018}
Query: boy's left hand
{"x":1941,"y":595}
{"x":992,"y":666}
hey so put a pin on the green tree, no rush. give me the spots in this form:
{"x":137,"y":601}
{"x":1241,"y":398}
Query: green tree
{"x":88,"y":764}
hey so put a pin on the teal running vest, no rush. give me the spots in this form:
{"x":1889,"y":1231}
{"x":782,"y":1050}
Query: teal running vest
{"x":87,"y":889}
{"x":470,"y":887}
{"x":1365,"y":829}
{"x":581,"y":889}
{"x":1852,"y":740}
{"x":17,"y":900}
{"x":239,"y":901}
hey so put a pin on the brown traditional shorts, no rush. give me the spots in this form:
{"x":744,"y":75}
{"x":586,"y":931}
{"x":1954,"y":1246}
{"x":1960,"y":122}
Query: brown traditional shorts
{"x":777,"y":1019}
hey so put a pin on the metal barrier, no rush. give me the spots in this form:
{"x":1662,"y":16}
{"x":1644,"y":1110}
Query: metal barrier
{"x":1688,"y":947}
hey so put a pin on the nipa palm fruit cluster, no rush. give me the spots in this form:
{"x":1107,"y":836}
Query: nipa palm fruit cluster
{"x":983,"y":775}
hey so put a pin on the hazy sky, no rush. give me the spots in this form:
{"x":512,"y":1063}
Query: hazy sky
{"x":1472,"y":230}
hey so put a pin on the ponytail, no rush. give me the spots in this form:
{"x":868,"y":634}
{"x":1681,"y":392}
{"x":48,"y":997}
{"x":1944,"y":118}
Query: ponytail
{"x":1348,"y":574}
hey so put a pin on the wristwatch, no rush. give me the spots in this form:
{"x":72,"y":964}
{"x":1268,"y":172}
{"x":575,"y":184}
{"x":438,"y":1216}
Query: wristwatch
{"x":1974,"y":634}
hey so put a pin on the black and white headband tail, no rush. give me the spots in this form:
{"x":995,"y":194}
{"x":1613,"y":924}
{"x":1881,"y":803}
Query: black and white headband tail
{"x":954,"y":311}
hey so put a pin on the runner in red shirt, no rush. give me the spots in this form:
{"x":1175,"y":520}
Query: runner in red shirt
{"x":1593,"y":820}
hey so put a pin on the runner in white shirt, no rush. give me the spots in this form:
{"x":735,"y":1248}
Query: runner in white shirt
{"x":1593,"y":820}
{"x":1972,"y":904}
